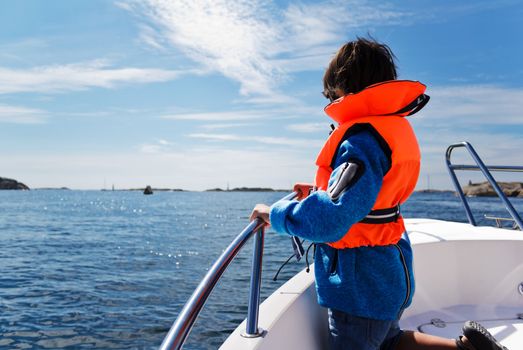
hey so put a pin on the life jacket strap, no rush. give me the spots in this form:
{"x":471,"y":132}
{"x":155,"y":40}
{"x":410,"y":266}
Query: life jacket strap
{"x":382,"y":216}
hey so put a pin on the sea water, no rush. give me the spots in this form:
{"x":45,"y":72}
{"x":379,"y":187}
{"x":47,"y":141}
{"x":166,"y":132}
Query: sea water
{"x":112,"y":269}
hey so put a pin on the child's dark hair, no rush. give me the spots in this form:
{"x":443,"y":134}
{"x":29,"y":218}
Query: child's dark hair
{"x":358,"y":64}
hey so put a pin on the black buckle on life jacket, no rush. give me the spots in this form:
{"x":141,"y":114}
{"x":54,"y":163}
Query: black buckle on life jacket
{"x":332,"y":129}
{"x":382,"y":216}
{"x":413,"y":107}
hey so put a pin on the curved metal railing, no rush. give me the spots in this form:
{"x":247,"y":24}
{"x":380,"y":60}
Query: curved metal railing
{"x":485,"y":170}
{"x":180,"y":329}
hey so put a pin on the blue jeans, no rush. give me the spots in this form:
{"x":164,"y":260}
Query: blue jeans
{"x":357,"y":333}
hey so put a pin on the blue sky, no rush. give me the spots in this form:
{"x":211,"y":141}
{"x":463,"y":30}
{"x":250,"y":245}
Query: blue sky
{"x":198,"y":94}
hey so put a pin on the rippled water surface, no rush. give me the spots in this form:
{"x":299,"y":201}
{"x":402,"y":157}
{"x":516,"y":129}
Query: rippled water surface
{"x":111,"y":270}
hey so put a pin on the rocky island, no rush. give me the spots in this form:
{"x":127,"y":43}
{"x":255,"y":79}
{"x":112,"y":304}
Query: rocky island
{"x":246,"y":189}
{"x":484,"y":189}
{"x":429,"y":190}
{"x":10,"y":184}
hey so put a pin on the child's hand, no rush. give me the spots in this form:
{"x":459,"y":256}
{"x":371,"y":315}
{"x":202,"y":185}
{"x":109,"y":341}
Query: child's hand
{"x":261,"y":211}
{"x":302,"y":189}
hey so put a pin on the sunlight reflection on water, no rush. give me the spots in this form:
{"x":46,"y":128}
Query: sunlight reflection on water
{"x":90,"y":269}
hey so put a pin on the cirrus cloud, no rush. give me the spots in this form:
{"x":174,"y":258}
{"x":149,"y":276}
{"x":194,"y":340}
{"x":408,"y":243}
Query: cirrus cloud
{"x":77,"y":76}
{"x":21,"y":115}
{"x":256,"y":42}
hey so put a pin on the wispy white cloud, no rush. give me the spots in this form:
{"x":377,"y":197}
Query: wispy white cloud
{"x":312,"y":26}
{"x":247,"y":115}
{"x":289,"y":112}
{"x":22,"y":115}
{"x":77,"y":76}
{"x":256,"y":42}
{"x":475,"y":105}
{"x":218,"y":116}
{"x":123,"y":5}
{"x":269,"y":140}
{"x":151,"y":38}
{"x":493,"y":148}
{"x":159,"y":146}
{"x":306,"y":127}
{"x":270,"y":98}
{"x":225,"y":126}
{"x":485,"y":115}
{"x":225,"y":36}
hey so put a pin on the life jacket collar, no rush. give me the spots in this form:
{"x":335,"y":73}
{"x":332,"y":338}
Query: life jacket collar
{"x":384,"y":98}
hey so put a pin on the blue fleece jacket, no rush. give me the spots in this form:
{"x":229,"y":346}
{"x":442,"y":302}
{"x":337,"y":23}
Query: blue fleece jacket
{"x":372,"y":282}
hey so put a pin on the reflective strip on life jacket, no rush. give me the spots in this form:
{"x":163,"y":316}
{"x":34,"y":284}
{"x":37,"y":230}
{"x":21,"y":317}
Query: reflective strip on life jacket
{"x":382,"y":216}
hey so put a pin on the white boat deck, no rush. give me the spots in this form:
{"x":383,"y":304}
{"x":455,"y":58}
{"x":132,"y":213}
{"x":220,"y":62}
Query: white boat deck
{"x":466,"y":273}
{"x":423,"y":231}
{"x":462,"y":273}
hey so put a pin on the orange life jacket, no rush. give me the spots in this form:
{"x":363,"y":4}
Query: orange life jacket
{"x":380,"y":108}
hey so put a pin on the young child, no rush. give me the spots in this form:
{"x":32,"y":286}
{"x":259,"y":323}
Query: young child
{"x":367,"y":168}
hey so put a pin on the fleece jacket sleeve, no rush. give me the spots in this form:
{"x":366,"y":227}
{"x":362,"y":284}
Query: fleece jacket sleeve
{"x":320,"y":219}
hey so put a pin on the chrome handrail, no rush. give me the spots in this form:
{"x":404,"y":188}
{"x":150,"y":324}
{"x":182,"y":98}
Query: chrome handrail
{"x":485,"y":170}
{"x":181,"y":328}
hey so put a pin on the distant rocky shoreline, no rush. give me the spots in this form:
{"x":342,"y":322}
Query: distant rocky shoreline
{"x":484,"y":189}
{"x":152,"y":188}
{"x":433,"y":191}
{"x":11,"y":184}
{"x":246,"y":189}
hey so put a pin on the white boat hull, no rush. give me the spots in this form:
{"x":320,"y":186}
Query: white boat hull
{"x":462,"y":273}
